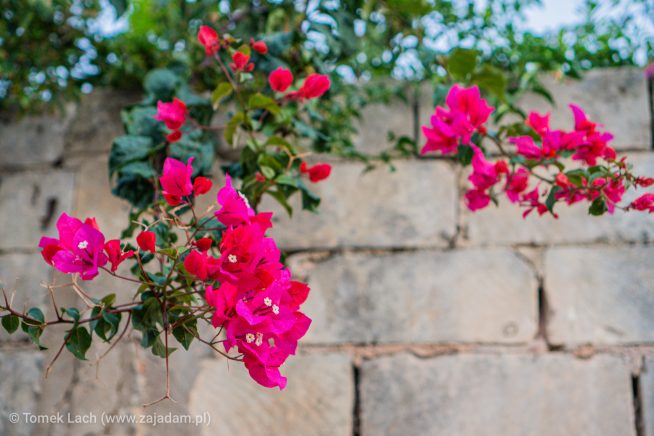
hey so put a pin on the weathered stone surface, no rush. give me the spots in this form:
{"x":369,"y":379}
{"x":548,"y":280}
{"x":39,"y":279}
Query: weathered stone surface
{"x":496,"y":395}
{"x":33,"y":140}
{"x":97,"y":121}
{"x":647,"y":396}
{"x":380,"y":119}
{"x":318,"y":400}
{"x":93,"y":197}
{"x":31,"y":203}
{"x":422,"y":297}
{"x":409,"y":207}
{"x":20,"y":387}
{"x":489,"y":226}
{"x":600,"y":295}
{"x":22,"y":275}
{"x":603,"y":94}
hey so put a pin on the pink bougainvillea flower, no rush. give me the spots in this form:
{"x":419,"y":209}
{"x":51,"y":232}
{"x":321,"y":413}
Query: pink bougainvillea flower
{"x":235,"y":208}
{"x":172,"y":114}
{"x":248,"y":259}
{"x":196,"y":263}
{"x":516,"y":184}
{"x":476,"y":199}
{"x":267,"y":374}
{"x":540,"y":123}
{"x":525,"y":146}
{"x":174,"y":136}
{"x":79,"y":249}
{"x":532,"y":201}
{"x":644,"y":181}
{"x":176,"y":180}
{"x":259,"y":177}
{"x":280,"y":79}
{"x":484,"y":174}
{"x":582,"y":123}
{"x":115,"y":254}
{"x":314,"y":86}
{"x":643,"y":203}
{"x":201,"y":185}
{"x":317,"y":172}
{"x":147,"y":240}
{"x":612,"y":189}
{"x":241,"y":62}
{"x":259,"y":46}
{"x":223,"y":300}
{"x":466,"y":113}
{"x":209,"y":39}
{"x":468,"y":110}
{"x":440,"y":137}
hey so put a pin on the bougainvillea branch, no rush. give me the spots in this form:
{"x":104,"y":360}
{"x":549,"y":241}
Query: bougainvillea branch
{"x":545,"y":166}
{"x":188,"y":266}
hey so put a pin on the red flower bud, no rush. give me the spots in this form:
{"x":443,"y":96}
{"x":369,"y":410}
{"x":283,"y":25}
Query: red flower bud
{"x":204,"y":244}
{"x":241,"y":62}
{"x":315,"y":86}
{"x":259,"y":46}
{"x":174,"y":136}
{"x":201,"y":185}
{"x":209,"y":39}
{"x":318,"y":172}
{"x":147,"y":241}
{"x":280,"y":79}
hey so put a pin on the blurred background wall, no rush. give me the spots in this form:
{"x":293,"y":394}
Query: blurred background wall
{"x":427,"y":319}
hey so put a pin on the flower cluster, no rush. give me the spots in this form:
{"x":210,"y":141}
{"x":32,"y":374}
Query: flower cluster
{"x":256,"y":303}
{"x":248,"y":292}
{"x":81,"y":248}
{"x":535,"y":176}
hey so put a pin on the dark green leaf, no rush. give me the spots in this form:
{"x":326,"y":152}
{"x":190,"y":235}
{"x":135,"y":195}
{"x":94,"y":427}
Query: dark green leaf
{"x":78,"y":342}
{"x":10,"y":323}
{"x":462,"y":62}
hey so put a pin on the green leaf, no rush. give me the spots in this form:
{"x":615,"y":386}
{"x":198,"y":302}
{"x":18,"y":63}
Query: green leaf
{"x":260,"y":101}
{"x":73,"y":313}
{"x":491,"y":79}
{"x":34,"y":329}
{"x":222,"y":91}
{"x":232,"y":125}
{"x":462,"y":62}
{"x":79,"y":341}
{"x":282,"y":200}
{"x":185,"y":333}
{"x":551,"y":198}
{"x":10,"y":323}
{"x":597,"y":207}
{"x":37,"y":314}
{"x":159,"y":349}
{"x":268,"y":172}
{"x":127,"y":149}
{"x":161,"y":84}
{"x":464,"y":154}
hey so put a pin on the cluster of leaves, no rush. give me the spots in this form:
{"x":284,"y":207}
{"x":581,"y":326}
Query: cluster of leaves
{"x":137,"y":157}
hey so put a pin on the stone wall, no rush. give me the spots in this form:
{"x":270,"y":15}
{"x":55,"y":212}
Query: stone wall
{"x":428,"y":319}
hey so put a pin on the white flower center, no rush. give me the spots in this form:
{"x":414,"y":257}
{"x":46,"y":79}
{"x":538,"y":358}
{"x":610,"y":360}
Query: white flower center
{"x":267,"y":301}
{"x":259,"y":340}
{"x":249,"y":338}
{"x":232,"y":258}
{"x":275,"y":309}
{"x":82,"y":245}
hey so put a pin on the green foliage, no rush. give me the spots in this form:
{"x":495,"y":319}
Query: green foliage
{"x":136,"y":158}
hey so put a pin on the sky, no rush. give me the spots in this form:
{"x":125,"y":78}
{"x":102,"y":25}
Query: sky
{"x":552,"y":14}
